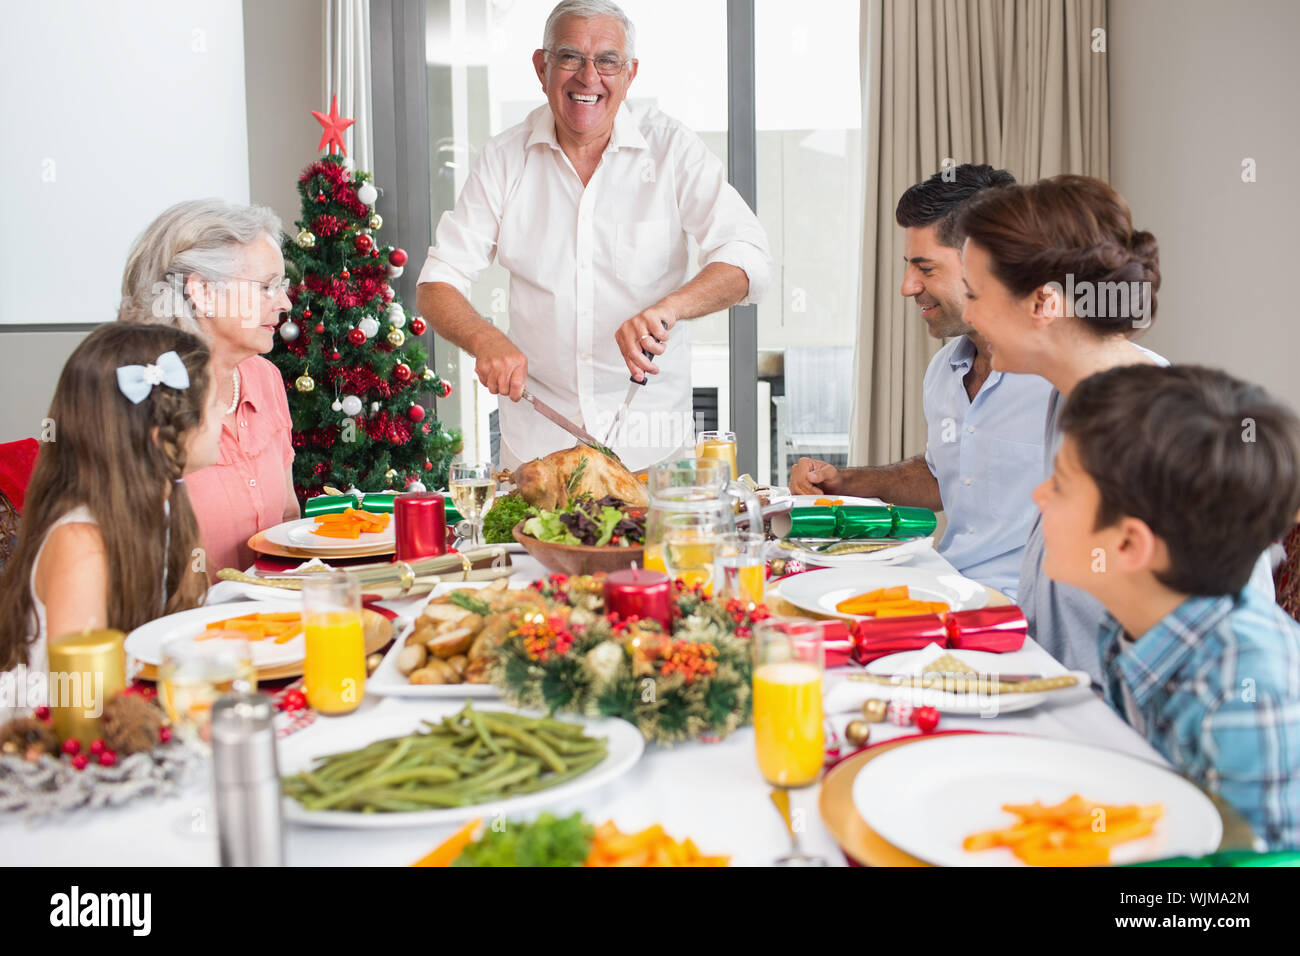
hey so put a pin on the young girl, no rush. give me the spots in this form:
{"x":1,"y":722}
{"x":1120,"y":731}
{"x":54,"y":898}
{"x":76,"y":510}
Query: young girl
{"x":107,"y":533}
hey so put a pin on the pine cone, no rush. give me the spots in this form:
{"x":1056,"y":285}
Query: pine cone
{"x":131,"y":724}
{"x":27,"y":737}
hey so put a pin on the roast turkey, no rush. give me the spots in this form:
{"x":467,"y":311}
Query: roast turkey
{"x":545,"y":482}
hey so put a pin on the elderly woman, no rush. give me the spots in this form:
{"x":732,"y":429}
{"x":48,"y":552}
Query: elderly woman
{"x":214,"y":268}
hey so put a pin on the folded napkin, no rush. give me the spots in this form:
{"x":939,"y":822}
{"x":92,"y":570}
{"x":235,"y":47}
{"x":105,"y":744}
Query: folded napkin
{"x":996,"y":629}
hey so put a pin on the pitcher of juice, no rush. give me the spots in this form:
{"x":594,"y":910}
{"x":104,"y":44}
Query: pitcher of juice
{"x":692,"y":501}
{"x":789,"y":733}
{"x":335,"y":667}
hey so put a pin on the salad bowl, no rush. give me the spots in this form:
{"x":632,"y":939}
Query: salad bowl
{"x":579,"y":558}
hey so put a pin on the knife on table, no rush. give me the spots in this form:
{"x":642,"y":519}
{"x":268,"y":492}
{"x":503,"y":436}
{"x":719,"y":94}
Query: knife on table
{"x":577,"y":432}
{"x":631,"y":394}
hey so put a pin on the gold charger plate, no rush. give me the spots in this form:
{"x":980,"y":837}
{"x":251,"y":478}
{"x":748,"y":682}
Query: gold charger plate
{"x":261,"y":545}
{"x":866,"y":847}
{"x":378,"y":632}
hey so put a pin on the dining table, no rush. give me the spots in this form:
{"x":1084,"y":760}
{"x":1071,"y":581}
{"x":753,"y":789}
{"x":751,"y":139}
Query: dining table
{"x":709,"y":791}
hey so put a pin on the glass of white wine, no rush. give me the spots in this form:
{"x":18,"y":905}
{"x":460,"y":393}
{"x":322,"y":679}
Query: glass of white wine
{"x":193,"y":674}
{"x":473,"y":489}
{"x":688,"y":545}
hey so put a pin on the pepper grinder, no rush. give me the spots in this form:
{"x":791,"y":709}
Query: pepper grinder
{"x":247,"y":781}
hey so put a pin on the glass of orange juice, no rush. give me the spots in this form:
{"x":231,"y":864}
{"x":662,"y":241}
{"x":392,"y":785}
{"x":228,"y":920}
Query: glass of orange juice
{"x":720,"y":445}
{"x":789,"y":733}
{"x":335,"y":669}
{"x":739,"y":567}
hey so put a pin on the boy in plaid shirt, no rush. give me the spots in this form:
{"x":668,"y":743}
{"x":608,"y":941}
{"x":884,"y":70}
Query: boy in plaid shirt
{"x":1168,"y":486}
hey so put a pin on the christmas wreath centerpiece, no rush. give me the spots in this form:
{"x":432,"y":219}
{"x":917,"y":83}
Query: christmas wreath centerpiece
{"x":693,"y":682}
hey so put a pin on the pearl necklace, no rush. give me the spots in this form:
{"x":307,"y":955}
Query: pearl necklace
{"x":234,"y":378}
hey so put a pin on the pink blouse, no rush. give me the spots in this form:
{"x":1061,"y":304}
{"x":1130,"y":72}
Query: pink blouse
{"x":245,"y":491}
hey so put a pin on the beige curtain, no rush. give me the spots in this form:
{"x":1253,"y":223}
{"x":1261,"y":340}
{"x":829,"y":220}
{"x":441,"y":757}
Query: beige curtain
{"x":347,"y":73}
{"x":1013,"y":83}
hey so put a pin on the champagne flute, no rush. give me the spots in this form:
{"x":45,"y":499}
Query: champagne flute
{"x":193,"y":674}
{"x":473,"y":490}
{"x":789,"y":728}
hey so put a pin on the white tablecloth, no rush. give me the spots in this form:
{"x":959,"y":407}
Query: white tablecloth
{"x":712,"y":793}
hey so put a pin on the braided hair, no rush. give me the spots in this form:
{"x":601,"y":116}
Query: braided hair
{"x":123,"y":462}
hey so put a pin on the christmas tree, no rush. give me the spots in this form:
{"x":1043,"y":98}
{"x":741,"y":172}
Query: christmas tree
{"x":353,"y":374}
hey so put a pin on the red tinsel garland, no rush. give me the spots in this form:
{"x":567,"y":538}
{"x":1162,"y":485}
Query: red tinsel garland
{"x":326,"y":225}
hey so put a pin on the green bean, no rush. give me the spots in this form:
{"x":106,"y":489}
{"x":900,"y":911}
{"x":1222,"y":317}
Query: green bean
{"x":528,"y":742}
{"x":579,"y":767}
{"x":480,"y":726}
{"x":563,"y":746}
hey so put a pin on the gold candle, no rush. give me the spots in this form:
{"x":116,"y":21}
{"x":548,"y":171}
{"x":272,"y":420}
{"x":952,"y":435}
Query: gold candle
{"x":86,"y":669}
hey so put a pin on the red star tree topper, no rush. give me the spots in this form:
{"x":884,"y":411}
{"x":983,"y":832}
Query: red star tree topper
{"x":333,"y":127}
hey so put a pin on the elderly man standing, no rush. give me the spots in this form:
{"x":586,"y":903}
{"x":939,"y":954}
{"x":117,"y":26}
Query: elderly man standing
{"x":985,"y":429}
{"x":588,"y":204}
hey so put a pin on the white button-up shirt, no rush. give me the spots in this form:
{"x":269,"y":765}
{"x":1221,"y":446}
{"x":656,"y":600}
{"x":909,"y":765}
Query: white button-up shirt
{"x":582,"y":261}
{"x":987,"y":456}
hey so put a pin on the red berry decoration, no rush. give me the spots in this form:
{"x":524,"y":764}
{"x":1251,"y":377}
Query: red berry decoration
{"x":80,"y":761}
{"x":357,"y":337}
{"x":41,"y":713}
{"x":293,"y":700}
{"x":72,"y":746}
{"x":320,"y":327}
{"x":415,"y":413}
{"x":397,"y":257}
{"x":164,"y":734}
{"x":108,"y":758}
{"x":925,"y":719}
{"x":418,"y":325}
{"x":97,"y":746}
{"x":402,"y":372}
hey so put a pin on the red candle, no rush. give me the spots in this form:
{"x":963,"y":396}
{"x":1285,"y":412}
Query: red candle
{"x":420,"y":522}
{"x":637,"y":592}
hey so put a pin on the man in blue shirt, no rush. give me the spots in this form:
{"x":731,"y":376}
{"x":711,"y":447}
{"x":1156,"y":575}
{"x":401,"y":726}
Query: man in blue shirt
{"x":984,"y":447}
{"x":1168,"y":485}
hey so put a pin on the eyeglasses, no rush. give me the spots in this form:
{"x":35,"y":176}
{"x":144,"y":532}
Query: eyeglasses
{"x":606,"y":64}
{"x":270,"y":289}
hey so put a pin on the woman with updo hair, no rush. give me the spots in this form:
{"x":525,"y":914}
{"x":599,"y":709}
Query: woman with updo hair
{"x":215,"y":269}
{"x":1058,"y":281}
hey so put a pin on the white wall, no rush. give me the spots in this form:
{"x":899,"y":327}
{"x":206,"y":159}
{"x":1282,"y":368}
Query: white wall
{"x":112,"y":111}
{"x":1196,"y":87}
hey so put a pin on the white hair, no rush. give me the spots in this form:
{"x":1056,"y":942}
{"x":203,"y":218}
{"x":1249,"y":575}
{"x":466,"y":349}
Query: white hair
{"x":201,"y":236}
{"x":589,"y":10}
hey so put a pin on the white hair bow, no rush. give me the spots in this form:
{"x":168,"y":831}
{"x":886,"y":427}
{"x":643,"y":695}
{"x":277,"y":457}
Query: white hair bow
{"x":137,"y":381}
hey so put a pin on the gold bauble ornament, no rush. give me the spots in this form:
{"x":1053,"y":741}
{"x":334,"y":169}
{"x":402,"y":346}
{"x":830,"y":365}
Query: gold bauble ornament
{"x":396,"y":338}
{"x":390,"y":474}
{"x":306,"y":239}
{"x":305,"y":383}
{"x":874,"y":710}
{"x":376,"y":221}
{"x":429,"y":376}
{"x":858,"y":732}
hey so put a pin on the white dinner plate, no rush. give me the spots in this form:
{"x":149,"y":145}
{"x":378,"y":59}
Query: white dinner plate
{"x":299,"y":535}
{"x":899,"y":553}
{"x":144,"y":644}
{"x":388,"y":681}
{"x":810,"y":501}
{"x":986,"y":665}
{"x":351,"y":733}
{"x":927,"y":797}
{"x":820,"y":591}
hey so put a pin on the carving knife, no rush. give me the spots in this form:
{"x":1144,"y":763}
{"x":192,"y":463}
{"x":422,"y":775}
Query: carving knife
{"x":581,"y":434}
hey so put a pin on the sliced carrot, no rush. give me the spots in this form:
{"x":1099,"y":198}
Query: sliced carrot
{"x":447,"y":851}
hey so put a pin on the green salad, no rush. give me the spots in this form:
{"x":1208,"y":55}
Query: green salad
{"x":589,"y":521}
